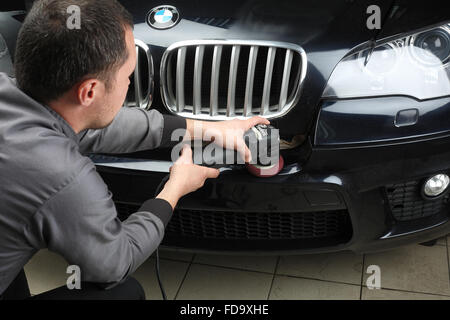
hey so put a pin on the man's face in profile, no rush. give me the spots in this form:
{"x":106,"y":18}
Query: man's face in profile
{"x":111,"y":99}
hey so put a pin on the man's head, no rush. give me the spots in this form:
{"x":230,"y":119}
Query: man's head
{"x":82,"y":73}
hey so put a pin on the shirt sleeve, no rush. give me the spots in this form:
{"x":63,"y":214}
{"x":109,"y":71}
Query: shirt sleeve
{"x":133,"y":129}
{"x":80,"y":223}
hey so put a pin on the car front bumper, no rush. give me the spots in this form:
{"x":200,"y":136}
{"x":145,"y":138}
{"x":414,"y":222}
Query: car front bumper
{"x":362,"y":199}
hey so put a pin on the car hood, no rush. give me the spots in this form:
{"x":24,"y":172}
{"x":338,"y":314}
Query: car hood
{"x":326,"y":29}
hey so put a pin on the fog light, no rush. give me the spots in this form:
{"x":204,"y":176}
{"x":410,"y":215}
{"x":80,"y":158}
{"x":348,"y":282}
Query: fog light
{"x":436,"y":185}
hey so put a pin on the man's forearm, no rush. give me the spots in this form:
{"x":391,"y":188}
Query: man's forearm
{"x":200,"y":130}
{"x":170,"y":193}
{"x":143,"y":130}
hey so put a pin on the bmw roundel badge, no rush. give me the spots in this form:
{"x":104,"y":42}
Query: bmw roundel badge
{"x":163,"y":17}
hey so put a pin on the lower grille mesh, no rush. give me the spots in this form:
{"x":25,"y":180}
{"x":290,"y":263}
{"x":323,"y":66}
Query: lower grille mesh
{"x":406,"y":202}
{"x":196,"y":224}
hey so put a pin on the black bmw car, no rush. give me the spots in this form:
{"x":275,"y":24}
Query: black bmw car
{"x":360,"y":93}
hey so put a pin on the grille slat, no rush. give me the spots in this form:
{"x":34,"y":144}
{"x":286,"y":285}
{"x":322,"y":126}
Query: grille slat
{"x":198,"y":66}
{"x":181,"y":60}
{"x":215,"y":72}
{"x":231,"y":98}
{"x":140,"y":93}
{"x":249,"y":83}
{"x":248,"y":78}
{"x":268,"y":80}
{"x":285,"y":81}
{"x":137,"y":79}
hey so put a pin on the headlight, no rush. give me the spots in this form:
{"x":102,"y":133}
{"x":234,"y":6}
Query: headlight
{"x":416,"y":65}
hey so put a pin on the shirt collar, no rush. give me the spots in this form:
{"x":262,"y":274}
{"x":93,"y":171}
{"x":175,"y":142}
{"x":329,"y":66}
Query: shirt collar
{"x":66,"y":128}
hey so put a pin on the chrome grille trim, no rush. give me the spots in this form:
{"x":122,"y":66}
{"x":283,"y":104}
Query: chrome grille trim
{"x":285,"y":82}
{"x":250,"y":77}
{"x":198,"y":66}
{"x":181,"y":60}
{"x":222,"y":102}
{"x":268,"y":80}
{"x":232,"y":81}
{"x":214,"y":96}
{"x":143,"y":97}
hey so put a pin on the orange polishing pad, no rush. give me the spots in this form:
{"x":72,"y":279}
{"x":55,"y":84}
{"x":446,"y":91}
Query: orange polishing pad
{"x":265,"y":171}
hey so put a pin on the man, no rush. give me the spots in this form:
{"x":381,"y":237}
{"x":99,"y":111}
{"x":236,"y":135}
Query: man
{"x":67,"y":102}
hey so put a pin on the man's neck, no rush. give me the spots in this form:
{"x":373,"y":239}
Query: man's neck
{"x":69,"y":112}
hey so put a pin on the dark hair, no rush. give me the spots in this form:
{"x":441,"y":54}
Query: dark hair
{"x":51,"y":58}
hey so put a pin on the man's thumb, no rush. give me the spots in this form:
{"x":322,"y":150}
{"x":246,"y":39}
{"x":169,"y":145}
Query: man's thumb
{"x":212,"y":173}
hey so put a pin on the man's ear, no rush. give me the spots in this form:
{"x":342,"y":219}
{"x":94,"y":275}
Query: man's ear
{"x":88,"y":90}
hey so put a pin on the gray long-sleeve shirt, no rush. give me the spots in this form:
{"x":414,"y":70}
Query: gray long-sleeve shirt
{"x":52,"y":197}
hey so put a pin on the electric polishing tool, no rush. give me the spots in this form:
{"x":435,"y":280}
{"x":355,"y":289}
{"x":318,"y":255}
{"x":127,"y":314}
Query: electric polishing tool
{"x":264,"y":144}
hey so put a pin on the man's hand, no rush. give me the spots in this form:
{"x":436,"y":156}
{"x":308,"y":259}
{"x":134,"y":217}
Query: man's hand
{"x":226,"y":134}
{"x":185,"y":177}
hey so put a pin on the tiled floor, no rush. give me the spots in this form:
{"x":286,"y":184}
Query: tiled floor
{"x":412,"y":272}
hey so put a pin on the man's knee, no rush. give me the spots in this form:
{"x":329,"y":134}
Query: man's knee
{"x":133,"y":289}
{"x":128,"y":289}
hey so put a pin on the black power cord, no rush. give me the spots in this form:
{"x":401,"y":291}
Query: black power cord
{"x":158,"y":190}
{"x":163,"y":293}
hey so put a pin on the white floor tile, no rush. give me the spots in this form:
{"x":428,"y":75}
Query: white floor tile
{"x":46,"y":271}
{"x":288,"y":288}
{"x":384,"y":294}
{"x":253,"y":263}
{"x":171,"y":272}
{"x":413,"y":268}
{"x":174,"y":255}
{"x":343,"y":267}
{"x":212,"y":283}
